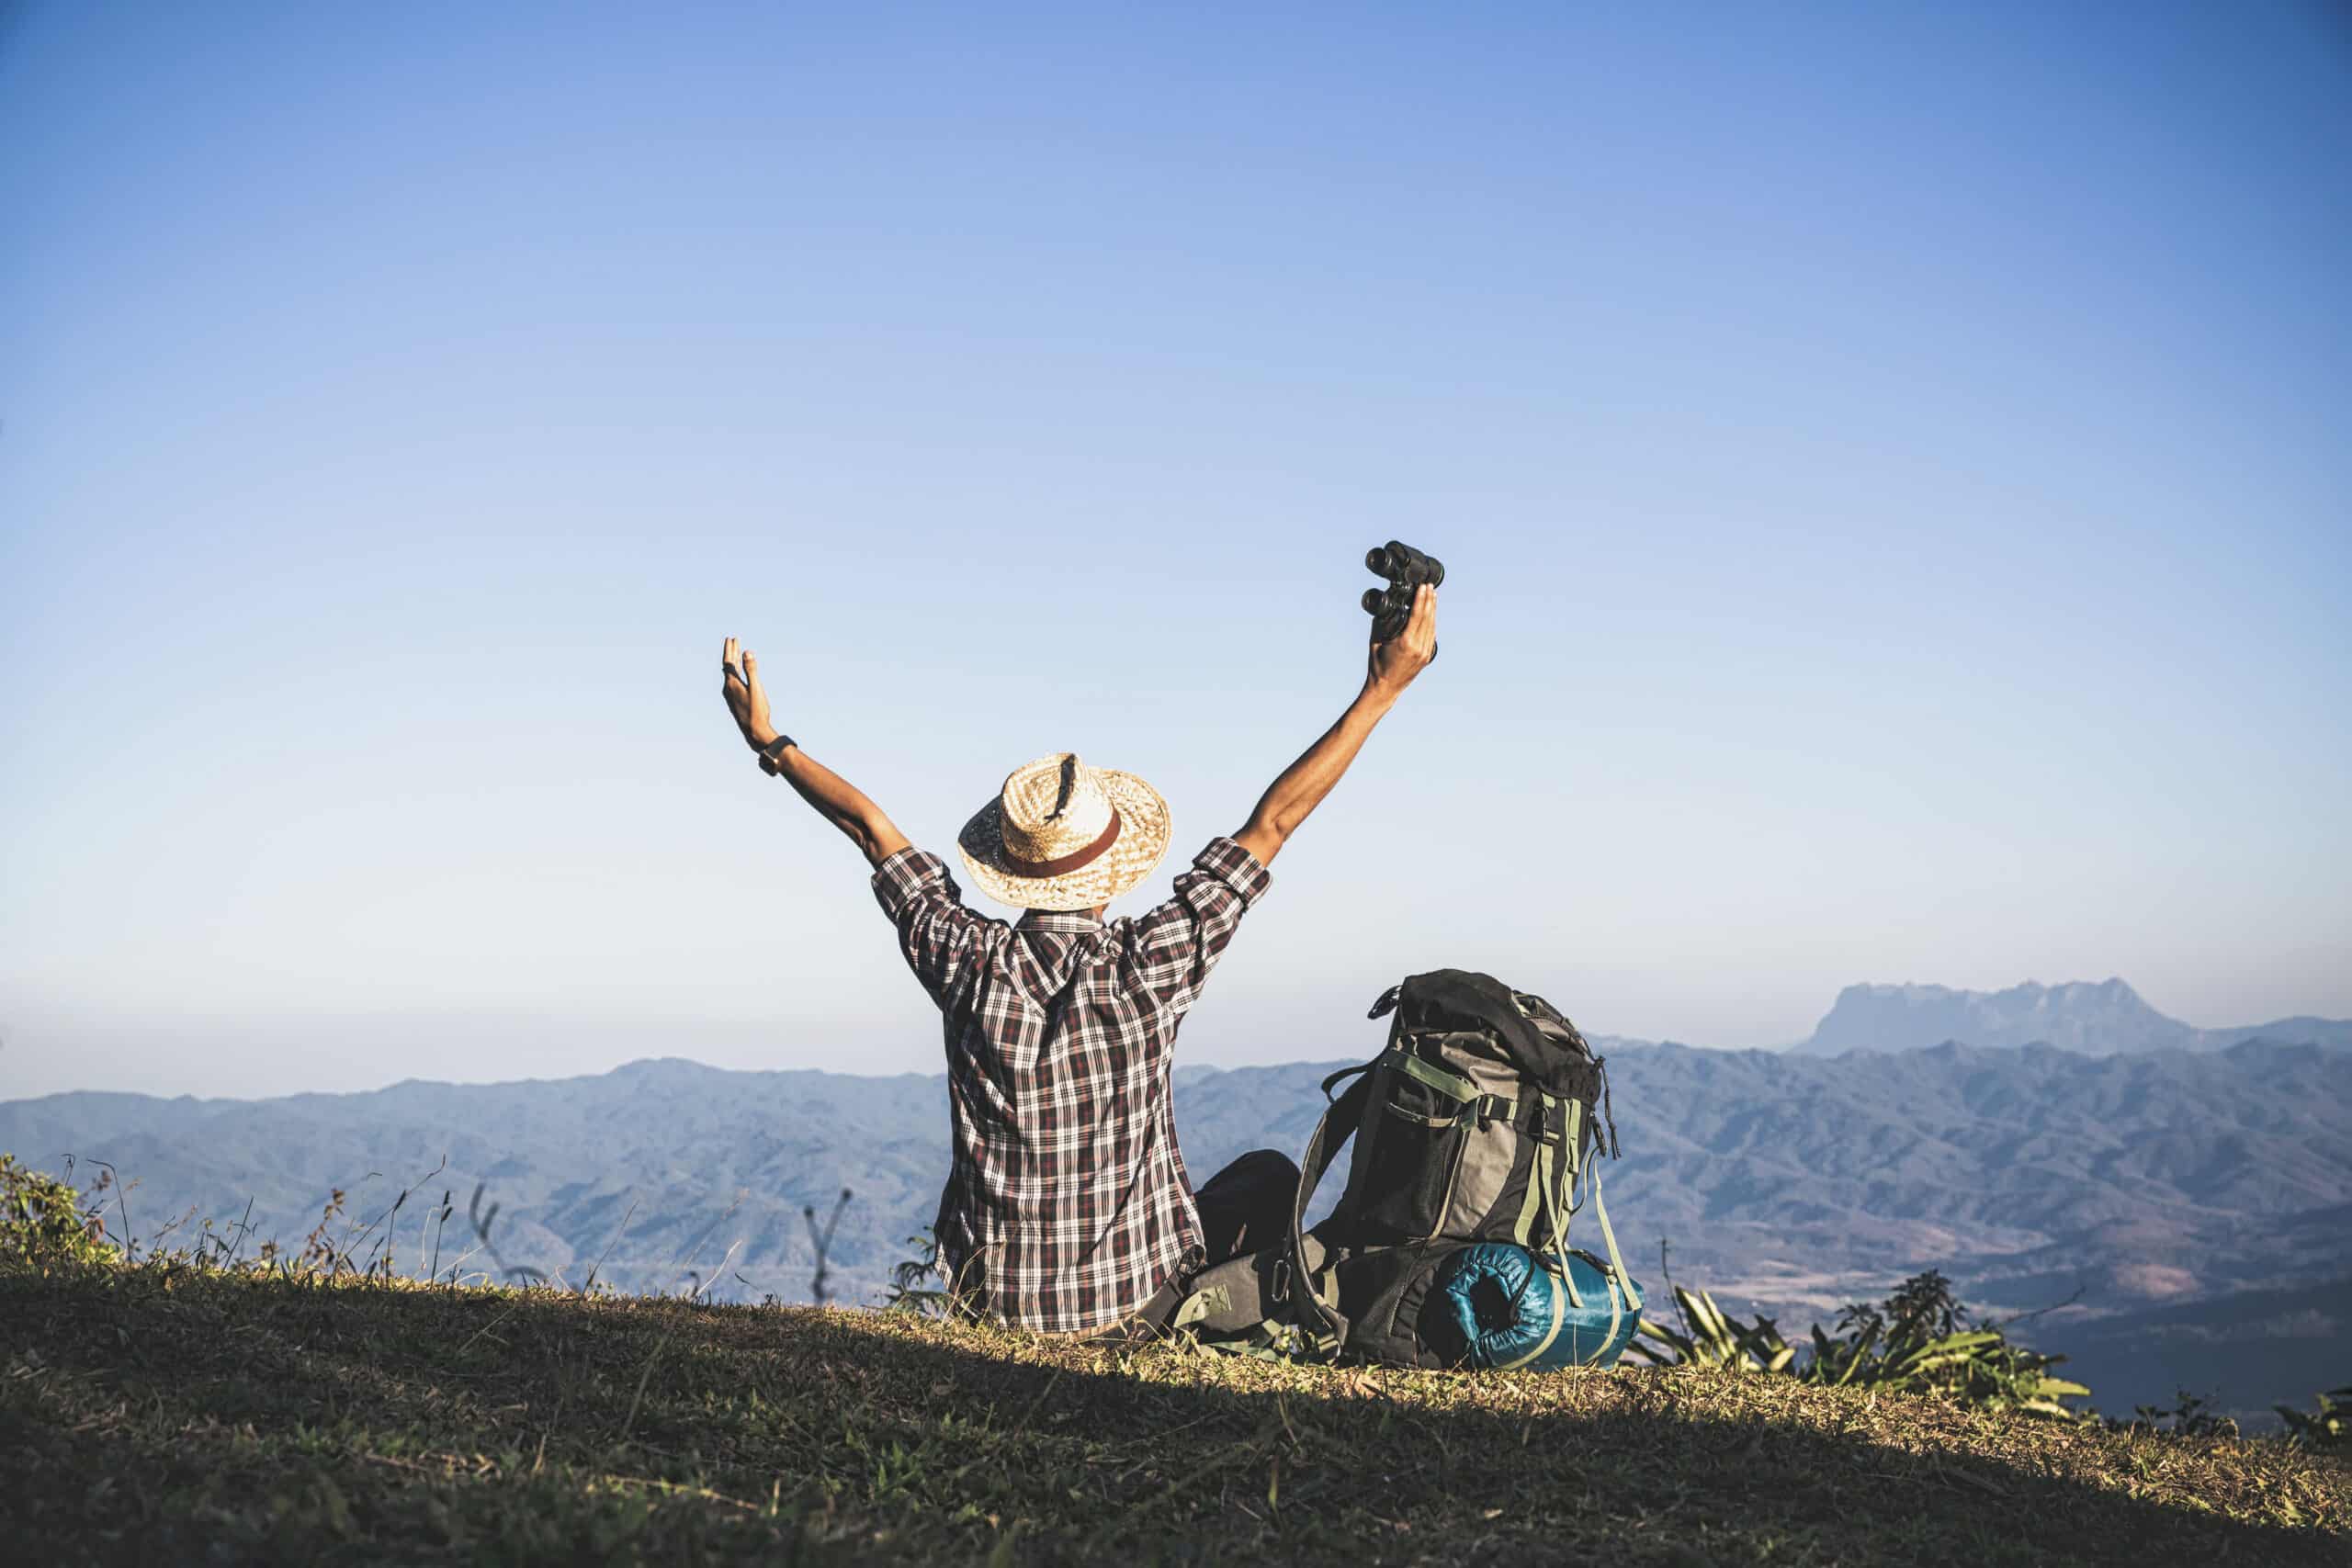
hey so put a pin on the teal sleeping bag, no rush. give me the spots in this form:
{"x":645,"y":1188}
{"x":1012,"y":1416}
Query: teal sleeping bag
{"x":1496,"y":1306}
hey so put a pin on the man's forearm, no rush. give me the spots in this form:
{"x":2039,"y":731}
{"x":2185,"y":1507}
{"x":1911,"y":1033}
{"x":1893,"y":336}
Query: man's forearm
{"x":1303,"y":784}
{"x":843,"y":804}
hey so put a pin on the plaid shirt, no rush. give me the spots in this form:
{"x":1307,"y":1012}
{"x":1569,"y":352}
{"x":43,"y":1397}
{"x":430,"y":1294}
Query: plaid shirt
{"x":1066,"y":1205}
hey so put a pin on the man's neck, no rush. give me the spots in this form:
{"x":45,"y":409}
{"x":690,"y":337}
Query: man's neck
{"x":1064,"y":919}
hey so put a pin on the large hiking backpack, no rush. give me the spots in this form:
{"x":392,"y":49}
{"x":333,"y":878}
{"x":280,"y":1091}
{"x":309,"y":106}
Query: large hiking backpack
{"x":1449,"y":1246}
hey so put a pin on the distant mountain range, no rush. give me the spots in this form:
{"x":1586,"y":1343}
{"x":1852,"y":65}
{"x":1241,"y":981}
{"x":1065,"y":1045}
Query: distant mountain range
{"x":2102,"y":1018}
{"x":2157,"y":1182}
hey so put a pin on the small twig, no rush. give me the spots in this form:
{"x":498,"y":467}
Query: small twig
{"x":171,"y":1225}
{"x":122,"y":1202}
{"x":590,"y":1284}
{"x":440,"y":1223}
{"x":512,"y":1309}
{"x":483,"y":1220}
{"x":695,"y":1246}
{"x":1027,"y":1416}
{"x":245,"y":1230}
{"x":392,"y":1213}
{"x":646,"y":1375}
{"x":823,"y":1243}
{"x":351,"y":1221}
{"x":2028,"y":1317}
{"x":1671,"y":1293}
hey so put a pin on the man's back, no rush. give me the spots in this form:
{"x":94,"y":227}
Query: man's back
{"x":1068,"y":1204}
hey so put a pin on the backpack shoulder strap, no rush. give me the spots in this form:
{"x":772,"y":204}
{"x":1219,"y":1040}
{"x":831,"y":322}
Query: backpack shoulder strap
{"x":1340,"y":1119}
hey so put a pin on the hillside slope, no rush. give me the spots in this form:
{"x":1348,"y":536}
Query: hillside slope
{"x":155,"y":1416}
{"x":1793,"y":1183}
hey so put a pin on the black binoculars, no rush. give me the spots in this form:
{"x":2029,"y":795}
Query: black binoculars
{"x":1406,"y":569}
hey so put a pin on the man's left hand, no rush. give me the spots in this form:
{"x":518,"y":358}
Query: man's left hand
{"x":747,"y":700}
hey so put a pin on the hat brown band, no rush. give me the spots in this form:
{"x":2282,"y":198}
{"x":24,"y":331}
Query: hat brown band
{"x":1069,"y":861}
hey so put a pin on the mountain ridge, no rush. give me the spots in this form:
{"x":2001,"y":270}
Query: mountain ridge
{"x":2096,"y":1017}
{"x":1889,"y":1143}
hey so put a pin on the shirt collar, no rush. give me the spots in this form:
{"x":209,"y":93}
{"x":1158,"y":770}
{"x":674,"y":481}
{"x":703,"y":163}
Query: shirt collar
{"x":1073,"y":921}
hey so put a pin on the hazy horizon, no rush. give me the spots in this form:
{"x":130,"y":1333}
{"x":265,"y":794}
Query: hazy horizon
{"x":557,"y":1052}
{"x":1893,"y":470}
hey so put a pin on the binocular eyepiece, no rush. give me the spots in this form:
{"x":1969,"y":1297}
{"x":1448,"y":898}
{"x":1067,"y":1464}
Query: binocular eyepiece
{"x":1406,"y":569}
{"x":1399,"y":562}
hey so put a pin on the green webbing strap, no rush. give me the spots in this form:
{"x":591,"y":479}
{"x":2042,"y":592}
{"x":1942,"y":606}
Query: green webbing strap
{"x":1538,"y":1177}
{"x":1272,"y":1341}
{"x":1617,"y":1285}
{"x":1558,"y":1317}
{"x":1568,"y":1145}
{"x":1495,"y":1108}
{"x":1452,"y":1084}
{"x":1588,"y":1174}
{"x":1199,"y":1304}
{"x":1616,"y":1263}
{"x":1620,"y":1288}
{"x":1560,"y":1246}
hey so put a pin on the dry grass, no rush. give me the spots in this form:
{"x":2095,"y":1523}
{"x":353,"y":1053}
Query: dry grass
{"x":160,"y":1416}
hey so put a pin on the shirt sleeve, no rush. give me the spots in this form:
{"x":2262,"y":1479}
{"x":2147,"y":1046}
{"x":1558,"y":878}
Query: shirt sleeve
{"x":1172,"y":950}
{"x":945,"y":942}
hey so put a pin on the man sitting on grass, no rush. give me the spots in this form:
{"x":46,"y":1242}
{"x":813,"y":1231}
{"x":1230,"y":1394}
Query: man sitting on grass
{"x":1067,"y":1207}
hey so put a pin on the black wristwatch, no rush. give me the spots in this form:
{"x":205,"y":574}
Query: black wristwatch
{"x":772,"y":755}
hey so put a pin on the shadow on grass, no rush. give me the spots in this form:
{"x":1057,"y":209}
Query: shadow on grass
{"x":248,"y":1421}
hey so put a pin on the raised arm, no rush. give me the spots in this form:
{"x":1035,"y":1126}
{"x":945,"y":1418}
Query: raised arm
{"x":837,"y":800}
{"x":1303,"y":784}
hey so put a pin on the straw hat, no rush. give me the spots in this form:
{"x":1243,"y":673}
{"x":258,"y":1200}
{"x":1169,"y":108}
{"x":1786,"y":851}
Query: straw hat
{"x":1064,"y":836}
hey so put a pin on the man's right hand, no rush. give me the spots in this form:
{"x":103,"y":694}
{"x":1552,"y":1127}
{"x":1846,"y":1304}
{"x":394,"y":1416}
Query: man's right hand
{"x":1304,"y":782}
{"x":1394,"y":663}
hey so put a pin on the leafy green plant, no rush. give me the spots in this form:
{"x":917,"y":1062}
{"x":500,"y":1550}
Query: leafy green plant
{"x":909,"y":1290}
{"x":2188,"y":1416}
{"x":1716,"y":1339}
{"x":44,"y":1223}
{"x":2329,"y":1427}
{"x":1914,"y":1340}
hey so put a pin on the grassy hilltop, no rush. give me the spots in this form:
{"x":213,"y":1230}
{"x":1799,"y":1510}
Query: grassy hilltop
{"x":156,"y":1414}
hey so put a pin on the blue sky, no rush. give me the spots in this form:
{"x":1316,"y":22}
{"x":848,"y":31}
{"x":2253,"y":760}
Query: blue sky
{"x":1893,"y":464}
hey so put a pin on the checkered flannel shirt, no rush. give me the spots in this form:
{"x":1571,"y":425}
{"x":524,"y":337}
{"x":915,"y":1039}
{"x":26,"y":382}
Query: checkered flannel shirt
{"x":1066,"y":1205}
